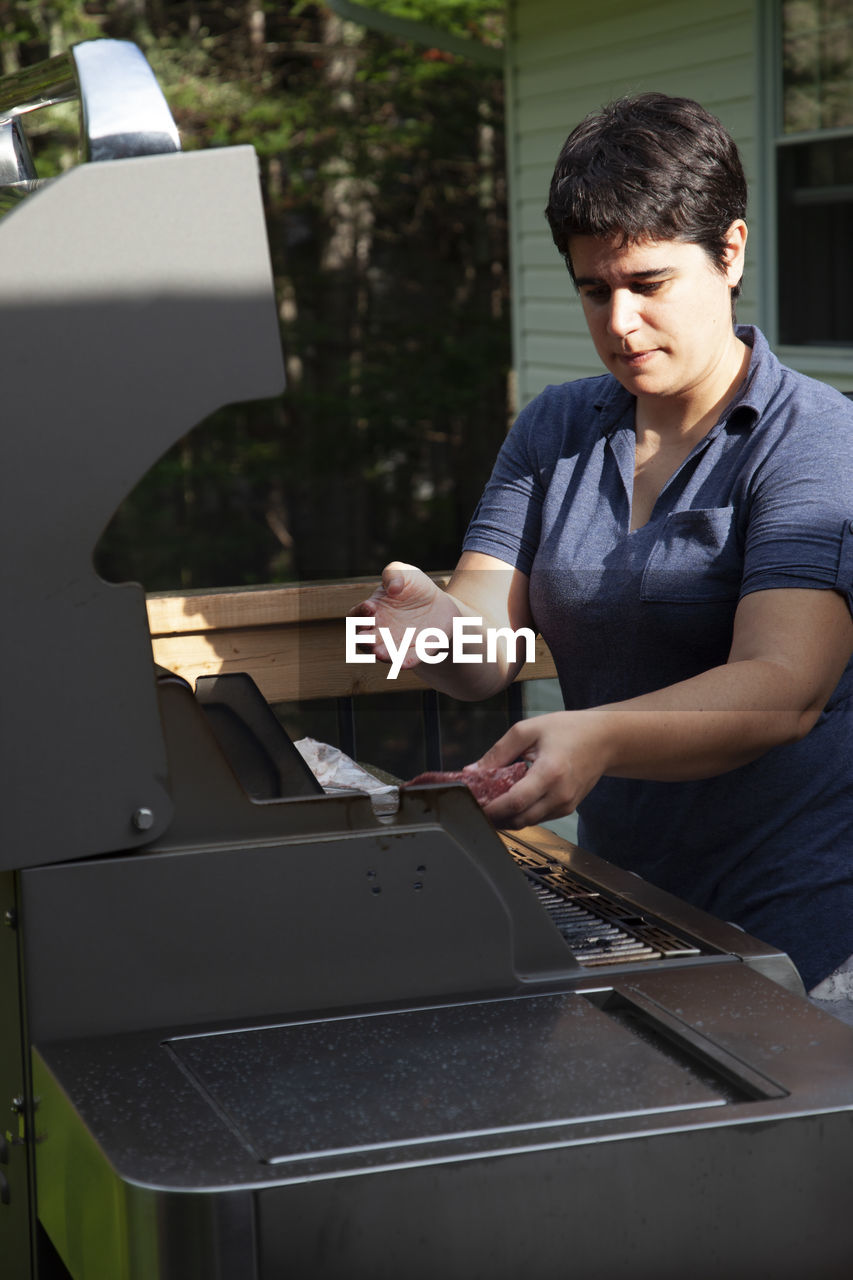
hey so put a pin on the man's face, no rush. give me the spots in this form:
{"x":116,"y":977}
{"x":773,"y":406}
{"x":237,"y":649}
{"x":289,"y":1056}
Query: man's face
{"x":659,"y":311}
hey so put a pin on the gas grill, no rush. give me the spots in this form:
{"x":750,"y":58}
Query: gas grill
{"x":252,"y":1030}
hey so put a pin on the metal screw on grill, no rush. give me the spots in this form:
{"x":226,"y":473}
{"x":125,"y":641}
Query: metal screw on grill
{"x":10,"y":918}
{"x":143,"y":819}
{"x":18,"y":1104}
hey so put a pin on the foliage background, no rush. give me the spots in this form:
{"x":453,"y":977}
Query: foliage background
{"x":383,"y":177}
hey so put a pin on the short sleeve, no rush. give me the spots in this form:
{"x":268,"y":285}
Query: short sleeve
{"x":800,"y":531}
{"x":507,"y":521}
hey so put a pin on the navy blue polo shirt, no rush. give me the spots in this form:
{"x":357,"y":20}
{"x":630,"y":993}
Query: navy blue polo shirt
{"x":764,"y":500}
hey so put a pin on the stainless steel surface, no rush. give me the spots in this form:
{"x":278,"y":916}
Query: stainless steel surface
{"x":274,"y":906}
{"x":653,"y":905}
{"x":13,"y":194}
{"x":600,"y":929}
{"x":41,"y":85}
{"x":136,"y":299}
{"x":144,"y":284}
{"x":248,"y":1016}
{"x":432,"y":1078}
{"x":123,"y":110}
{"x":332,"y":1096}
{"x":255,"y":1055}
{"x":16,"y":163}
{"x":492,"y":1138}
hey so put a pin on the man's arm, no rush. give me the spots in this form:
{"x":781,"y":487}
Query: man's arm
{"x":789,"y":650}
{"x":408,"y":602}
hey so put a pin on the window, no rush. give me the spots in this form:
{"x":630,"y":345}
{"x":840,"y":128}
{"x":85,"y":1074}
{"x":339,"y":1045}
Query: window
{"x":814,"y":167}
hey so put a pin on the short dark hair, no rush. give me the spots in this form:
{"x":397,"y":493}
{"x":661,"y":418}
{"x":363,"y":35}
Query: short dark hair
{"x":648,"y":167}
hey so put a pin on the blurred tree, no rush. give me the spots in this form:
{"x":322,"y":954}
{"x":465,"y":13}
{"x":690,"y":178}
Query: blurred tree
{"x":383,"y":175}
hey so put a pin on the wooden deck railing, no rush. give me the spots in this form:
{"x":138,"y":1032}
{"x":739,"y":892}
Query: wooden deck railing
{"x":290,"y":640}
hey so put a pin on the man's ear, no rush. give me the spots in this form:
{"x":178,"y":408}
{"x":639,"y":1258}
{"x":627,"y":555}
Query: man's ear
{"x":735,"y":251}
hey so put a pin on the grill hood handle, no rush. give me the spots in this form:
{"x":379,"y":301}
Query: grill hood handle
{"x":123,"y":112}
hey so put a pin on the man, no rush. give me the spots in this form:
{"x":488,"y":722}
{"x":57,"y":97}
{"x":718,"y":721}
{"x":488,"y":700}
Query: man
{"x":679,"y":531}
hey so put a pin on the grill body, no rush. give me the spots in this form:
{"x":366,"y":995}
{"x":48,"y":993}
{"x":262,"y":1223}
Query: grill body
{"x":313,"y":1042}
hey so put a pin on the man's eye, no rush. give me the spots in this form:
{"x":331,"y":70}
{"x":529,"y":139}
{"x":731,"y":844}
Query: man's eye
{"x":596,"y":295}
{"x":647,"y":286}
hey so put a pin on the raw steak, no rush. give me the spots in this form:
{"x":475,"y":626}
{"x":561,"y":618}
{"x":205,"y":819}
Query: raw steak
{"x":484,"y":784}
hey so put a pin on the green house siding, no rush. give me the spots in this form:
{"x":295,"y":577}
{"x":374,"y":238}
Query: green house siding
{"x":566,"y":58}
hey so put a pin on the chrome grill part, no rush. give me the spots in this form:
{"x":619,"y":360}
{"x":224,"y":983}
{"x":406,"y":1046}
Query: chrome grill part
{"x":599,"y":930}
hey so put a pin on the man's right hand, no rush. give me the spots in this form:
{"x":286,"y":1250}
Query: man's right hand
{"x":406,"y":598}
{"x":408,"y":602}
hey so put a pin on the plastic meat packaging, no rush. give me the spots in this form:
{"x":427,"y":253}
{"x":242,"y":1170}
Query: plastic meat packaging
{"x":338,"y":774}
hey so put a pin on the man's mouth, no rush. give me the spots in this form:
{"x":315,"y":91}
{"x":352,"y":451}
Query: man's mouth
{"x":634,"y":358}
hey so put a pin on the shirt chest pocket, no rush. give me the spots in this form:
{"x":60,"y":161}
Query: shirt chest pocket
{"x":696,"y":558}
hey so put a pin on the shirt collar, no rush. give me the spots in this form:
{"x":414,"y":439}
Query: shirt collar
{"x":762,"y":378}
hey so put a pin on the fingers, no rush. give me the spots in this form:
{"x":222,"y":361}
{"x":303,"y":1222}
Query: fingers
{"x":398,"y":580}
{"x":564,"y":767}
{"x":532,"y":800}
{"x":399,"y":607}
{"x":395,"y":576}
{"x":518,"y":741}
{"x":392,"y":582}
{"x":367,"y":608}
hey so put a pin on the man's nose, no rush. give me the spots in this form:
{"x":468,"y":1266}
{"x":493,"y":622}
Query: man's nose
{"x":623,"y":318}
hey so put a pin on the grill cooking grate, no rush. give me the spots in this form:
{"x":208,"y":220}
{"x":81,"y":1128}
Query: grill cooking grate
{"x":598,"y":928}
